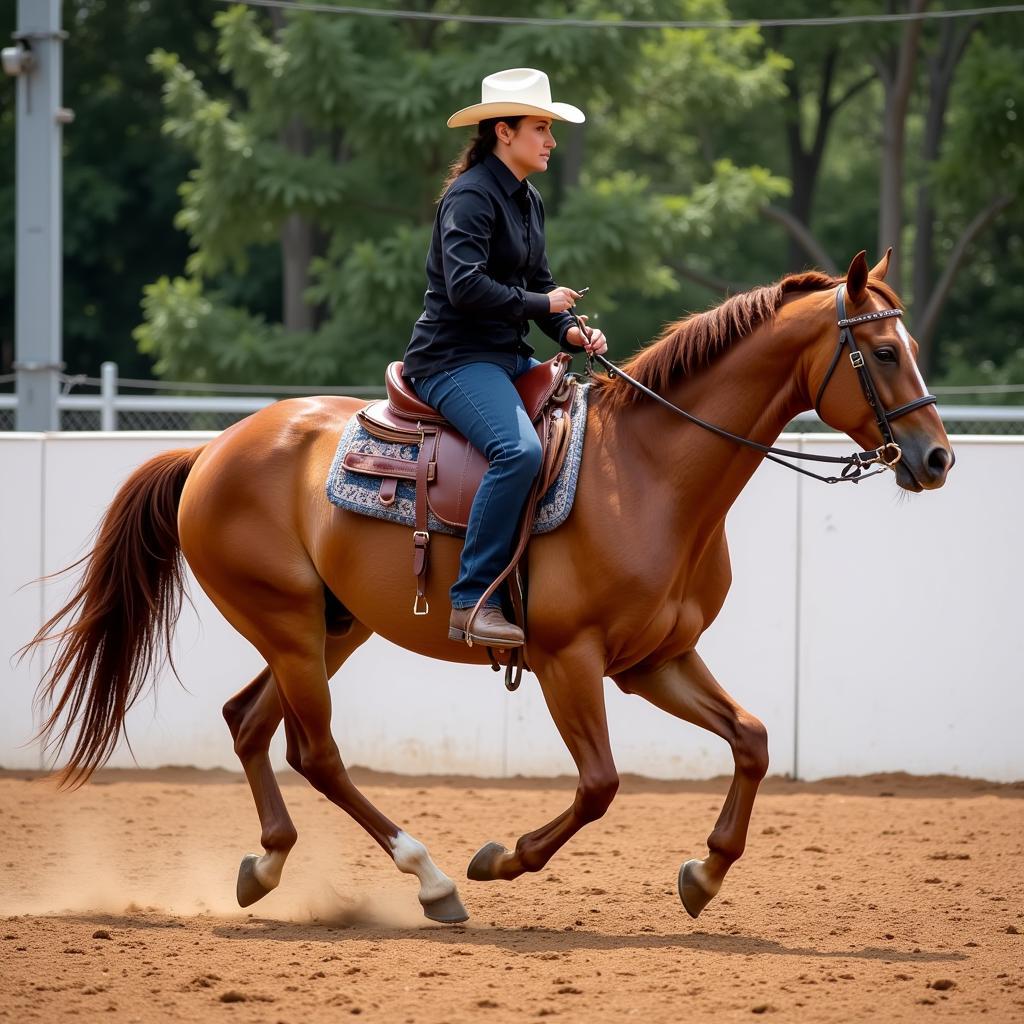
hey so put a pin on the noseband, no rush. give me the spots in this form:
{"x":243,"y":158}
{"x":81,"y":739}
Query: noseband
{"x":888,"y":455}
{"x":890,"y":452}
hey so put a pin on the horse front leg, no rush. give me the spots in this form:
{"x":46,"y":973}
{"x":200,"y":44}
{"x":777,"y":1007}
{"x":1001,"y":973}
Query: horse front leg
{"x":574,"y":691}
{"x":685,"y":688}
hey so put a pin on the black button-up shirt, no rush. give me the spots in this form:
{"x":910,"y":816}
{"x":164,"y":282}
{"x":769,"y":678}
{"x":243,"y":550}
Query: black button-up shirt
{"x":487,"y":275}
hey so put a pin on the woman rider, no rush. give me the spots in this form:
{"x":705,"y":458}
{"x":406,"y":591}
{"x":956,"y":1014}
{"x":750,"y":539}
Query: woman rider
{"x":487,"y":276}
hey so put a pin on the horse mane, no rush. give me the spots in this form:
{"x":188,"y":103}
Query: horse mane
{"x":695,"y":341}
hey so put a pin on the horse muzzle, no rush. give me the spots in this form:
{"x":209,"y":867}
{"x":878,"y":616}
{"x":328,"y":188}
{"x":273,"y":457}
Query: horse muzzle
{"x":924,"y":464}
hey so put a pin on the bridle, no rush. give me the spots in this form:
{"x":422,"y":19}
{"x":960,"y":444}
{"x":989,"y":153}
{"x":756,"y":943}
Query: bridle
{"x":883,"y":417}
{"x":887,"y":455}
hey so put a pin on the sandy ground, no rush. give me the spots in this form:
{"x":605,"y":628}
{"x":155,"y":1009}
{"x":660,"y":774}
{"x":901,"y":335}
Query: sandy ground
{"x":886,"y":898}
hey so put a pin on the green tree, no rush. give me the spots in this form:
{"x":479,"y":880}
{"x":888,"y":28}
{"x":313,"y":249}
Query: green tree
{"x":912,"y":126}
{"x":120,"y":175}
{"x":330,"y":147}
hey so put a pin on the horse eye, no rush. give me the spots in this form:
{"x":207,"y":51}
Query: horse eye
{"x":885,"y":355}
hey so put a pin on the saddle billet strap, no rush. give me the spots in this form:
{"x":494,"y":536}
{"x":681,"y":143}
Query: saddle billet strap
{"x":421,"y":536}
{"x":388,"y":491}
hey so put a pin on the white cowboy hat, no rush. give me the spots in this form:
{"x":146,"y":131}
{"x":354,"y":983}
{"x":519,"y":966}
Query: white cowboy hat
{"x":512,"y":93}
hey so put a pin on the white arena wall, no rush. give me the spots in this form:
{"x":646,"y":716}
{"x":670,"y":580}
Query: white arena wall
{"x":871,"y":631}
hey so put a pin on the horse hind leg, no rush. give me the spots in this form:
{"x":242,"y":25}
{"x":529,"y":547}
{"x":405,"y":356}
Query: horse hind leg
{"x":291,"y":635}
{"x":685,"y":688}
{"x":314,"y":754}
{"x":253,"y":715}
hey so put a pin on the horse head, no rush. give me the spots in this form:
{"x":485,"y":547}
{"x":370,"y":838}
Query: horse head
{"x":872,"y":386}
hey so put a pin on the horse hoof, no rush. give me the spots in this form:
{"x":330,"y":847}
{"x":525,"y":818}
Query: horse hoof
{"x":447,"y":910}
{"x":691,"y":891}
{"x":249,"y":888}
{"x":481,"y":867}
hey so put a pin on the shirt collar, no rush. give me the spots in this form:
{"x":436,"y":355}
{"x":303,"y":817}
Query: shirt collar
{"x":505,"y":178}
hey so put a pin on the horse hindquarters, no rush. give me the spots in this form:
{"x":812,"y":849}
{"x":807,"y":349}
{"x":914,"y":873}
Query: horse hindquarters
{"x":253,"y":522}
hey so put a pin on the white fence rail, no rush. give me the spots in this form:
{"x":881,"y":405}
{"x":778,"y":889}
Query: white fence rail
{"x":869,"y":632}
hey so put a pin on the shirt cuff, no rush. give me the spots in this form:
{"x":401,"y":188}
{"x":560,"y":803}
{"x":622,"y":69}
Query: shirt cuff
{"x":536,"y":304}
{"x":563,"y":330}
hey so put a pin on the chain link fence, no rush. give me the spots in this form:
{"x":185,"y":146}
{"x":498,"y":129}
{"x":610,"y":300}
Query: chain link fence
{"x":112,"y":403}
{"x":157,"y":419}
{"x":1005,"y":420}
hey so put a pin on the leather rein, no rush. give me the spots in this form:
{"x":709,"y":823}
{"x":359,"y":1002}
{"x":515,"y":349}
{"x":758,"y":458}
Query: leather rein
{"x":888,"y":453}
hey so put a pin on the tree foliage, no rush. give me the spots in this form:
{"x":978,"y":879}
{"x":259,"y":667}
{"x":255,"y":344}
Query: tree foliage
{"x":265,"y":182}
{"x":373,"y":96}
{"x":120,"y":178}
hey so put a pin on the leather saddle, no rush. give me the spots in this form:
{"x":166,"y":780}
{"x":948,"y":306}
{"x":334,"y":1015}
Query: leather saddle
{"x":447,"y":469}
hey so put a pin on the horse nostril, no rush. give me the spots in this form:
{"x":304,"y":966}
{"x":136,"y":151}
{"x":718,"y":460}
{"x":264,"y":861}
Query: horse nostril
{"x":938,"y":460}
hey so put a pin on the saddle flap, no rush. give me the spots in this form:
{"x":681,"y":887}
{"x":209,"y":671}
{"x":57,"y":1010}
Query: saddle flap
{"x":460,"y":468}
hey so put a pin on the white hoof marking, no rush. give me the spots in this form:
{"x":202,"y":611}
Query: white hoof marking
{"x":411,"y":856}
{"x":268,"y":869}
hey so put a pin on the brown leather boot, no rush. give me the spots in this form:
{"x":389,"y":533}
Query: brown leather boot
{"x":490,"y":628}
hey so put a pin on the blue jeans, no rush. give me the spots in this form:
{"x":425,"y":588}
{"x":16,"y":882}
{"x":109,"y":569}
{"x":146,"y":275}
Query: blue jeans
{"x":481,"y":402}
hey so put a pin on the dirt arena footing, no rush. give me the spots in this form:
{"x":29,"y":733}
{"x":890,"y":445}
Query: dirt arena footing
{"x":858,"y":899}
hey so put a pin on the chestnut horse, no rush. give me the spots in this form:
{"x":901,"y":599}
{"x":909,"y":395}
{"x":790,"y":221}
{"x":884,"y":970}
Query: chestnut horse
{"x":306,"y":583}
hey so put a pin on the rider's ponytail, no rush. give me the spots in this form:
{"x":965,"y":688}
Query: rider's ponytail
{"x":477,"y":148}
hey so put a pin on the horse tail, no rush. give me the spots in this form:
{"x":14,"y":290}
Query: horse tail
{"x":119,"y":619}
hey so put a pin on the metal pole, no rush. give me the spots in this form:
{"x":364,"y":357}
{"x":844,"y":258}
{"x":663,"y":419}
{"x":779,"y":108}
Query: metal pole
{"x":37,"y":318}
{"x":108,"y":392}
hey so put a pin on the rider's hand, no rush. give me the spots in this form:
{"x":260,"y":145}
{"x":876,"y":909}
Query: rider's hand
{"x":596,"y":345}
{"x":562,"y":299}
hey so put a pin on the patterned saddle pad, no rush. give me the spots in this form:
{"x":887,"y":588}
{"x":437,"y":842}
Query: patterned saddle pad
{"x":358,"y":492}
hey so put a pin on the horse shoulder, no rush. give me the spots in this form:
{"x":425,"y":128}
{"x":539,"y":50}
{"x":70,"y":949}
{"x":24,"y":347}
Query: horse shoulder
{"x":711,"y":576}
{"x":695,"y":604}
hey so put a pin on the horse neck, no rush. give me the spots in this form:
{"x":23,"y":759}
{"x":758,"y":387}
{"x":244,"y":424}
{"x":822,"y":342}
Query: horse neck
{"x":752,"y":390}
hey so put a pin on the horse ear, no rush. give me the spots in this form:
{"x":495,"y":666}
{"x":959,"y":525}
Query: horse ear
{"x":880,"y":269}
{"x":857,"y":277}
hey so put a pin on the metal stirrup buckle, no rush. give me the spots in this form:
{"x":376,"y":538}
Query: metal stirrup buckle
{"x":416,"y":605}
